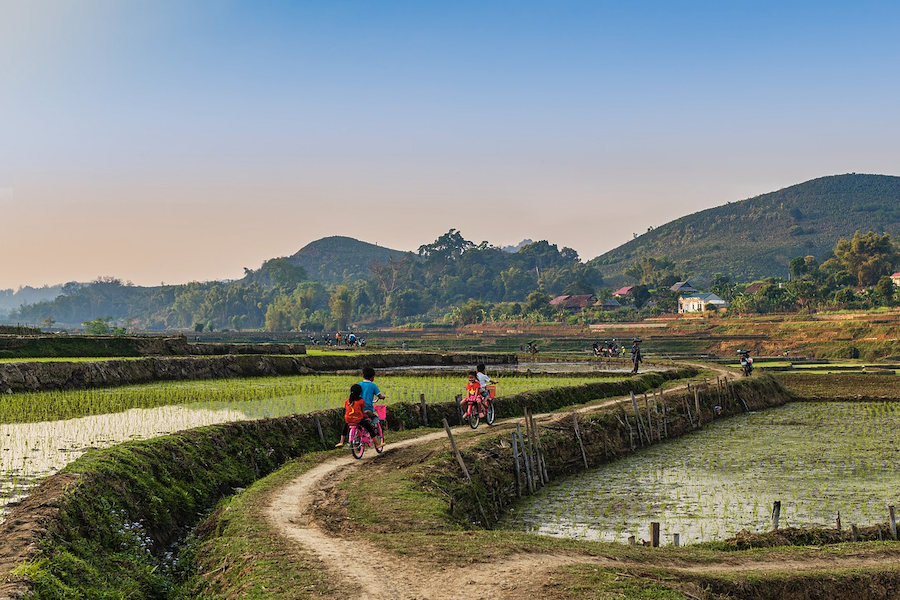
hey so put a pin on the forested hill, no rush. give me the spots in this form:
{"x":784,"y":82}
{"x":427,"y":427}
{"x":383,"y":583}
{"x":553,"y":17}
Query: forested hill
{"x":338,"y":259}
{"x":758,"y":237}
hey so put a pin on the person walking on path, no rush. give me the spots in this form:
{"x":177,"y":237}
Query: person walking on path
{"x":636,"y":357}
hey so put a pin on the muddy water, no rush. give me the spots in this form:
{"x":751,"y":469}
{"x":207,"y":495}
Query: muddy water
{"x":818,"y":459}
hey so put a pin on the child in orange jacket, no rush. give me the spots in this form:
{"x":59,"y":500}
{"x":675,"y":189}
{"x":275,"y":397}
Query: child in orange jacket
{"x":355,"y":414}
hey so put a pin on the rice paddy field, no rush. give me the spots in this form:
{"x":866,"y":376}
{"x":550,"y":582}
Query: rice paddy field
{"x":818,"y":458}
{"x":42,"y":432}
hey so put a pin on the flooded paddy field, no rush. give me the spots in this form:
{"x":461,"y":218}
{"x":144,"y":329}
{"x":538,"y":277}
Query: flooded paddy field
{"x":42,"y":432}
{"x":818,"y":459}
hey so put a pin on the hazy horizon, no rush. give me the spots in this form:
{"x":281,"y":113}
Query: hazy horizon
{"x":163,"y":141}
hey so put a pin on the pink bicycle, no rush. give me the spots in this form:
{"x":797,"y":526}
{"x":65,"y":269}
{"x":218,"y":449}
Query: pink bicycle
{"x":470,"y":409}
{"x":360,"y":438}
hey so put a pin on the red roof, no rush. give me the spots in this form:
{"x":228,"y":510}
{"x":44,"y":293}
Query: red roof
{"x":623,"y":291}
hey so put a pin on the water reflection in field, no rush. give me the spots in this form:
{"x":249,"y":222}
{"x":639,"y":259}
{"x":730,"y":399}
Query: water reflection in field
{"x":31,"y":451}
{"x":816,"y":458}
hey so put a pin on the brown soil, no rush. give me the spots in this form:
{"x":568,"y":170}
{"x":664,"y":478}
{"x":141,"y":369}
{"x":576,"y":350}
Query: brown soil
{"x":23,"y":528}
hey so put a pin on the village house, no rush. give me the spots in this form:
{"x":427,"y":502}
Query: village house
{"x":574,"y":303}
{"x":609,"y":304}
{"x":683,"y":287}
{"x":896,"y":279}
{"x":699,"y":302}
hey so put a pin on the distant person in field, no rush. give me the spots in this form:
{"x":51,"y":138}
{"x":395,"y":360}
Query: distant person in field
{"x":636,"y":357}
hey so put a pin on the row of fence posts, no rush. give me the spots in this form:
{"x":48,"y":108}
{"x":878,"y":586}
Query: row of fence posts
{"x":651,"y":424}
{"x":854,"y":530}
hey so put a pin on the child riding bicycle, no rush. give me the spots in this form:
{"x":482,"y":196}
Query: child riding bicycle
{"x":473,"y":389}
{"x":354,"y":414}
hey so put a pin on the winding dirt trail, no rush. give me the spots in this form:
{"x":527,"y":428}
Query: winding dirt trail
{"x":378,"y":575}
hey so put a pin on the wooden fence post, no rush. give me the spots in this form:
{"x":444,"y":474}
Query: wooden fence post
{"x":654,"y":534}
{"x":697,"y":407}
{"x":527,"y":458}
{"x":515,"y":449}
{"x":541,"y":461}
{"x":424,"y":410}
{"x":776,"y":514}
{"x":319,"y":428}
{"x":893,"y":518}
{"x":580,"y":442}
{"x":640,"y":421}
{"x":456,"y":451}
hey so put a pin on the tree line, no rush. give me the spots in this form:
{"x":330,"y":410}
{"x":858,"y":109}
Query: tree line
{"x":455,"y":281}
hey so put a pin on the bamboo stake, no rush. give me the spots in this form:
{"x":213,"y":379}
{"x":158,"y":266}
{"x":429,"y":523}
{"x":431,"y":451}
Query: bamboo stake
{"x":640,"y":421}
{"x":626,"y":423}
{"x":893,"y":518}
{"x":527,"y":458}
{"x":649,"y":419}
{"x":515,"y":449}
{"x":423,"y":410}
{"x":542,"y":462}
{"x":697,"y":406}
{"x":319,"y":428}
{"x":459,"y":457}
{"x":662,"y":400}
{"x":580,"y":442}
{"x":687,"y":409}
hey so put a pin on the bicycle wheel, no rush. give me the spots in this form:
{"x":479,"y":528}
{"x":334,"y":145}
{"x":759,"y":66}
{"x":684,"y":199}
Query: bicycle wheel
{"x":473,"y":417}
{"x":380,"y":432}
{"x":356,"y":445}
{"x":489,"y":413}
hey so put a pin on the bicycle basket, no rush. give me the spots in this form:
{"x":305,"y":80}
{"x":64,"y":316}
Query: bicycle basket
{"x":381,"y":411}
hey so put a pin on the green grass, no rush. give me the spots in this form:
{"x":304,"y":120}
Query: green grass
{"x":237,"y":547}
{"x":283,"y":395}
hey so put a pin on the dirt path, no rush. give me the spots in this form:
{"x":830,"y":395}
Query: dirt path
{"x":378,"y":575}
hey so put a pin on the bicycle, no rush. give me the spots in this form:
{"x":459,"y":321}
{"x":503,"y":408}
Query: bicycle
{"x":360,"y":438}
{"x":474,"y":404}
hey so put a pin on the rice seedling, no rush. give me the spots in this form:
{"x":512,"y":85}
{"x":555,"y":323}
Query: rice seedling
{"x":42,"y":432}
{"x":816,"y":458}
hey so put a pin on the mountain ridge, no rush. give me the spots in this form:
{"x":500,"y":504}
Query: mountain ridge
{"x":757,"y":237}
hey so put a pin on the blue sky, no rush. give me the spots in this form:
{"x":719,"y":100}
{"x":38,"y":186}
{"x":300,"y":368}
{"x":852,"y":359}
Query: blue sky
{"x":159,"y":140}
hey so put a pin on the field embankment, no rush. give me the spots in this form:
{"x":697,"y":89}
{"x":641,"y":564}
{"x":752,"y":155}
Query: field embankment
{"x":413,"y":515}
{"x":105,"y":525}
{"x":61,"y":375}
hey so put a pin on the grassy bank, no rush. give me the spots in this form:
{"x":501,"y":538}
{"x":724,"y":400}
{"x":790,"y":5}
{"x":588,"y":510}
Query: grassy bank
{"x":416,"y":504}
{"x":121,"y":510}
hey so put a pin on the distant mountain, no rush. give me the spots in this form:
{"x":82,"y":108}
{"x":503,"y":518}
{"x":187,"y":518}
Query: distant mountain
{"x":13,"y":299}
{"x":517,"y":247}
{"x":337,"y":259}
{"x":758,"y":237}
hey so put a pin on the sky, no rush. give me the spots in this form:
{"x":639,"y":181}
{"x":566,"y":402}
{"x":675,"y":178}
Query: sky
{"x":184,"y":140}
